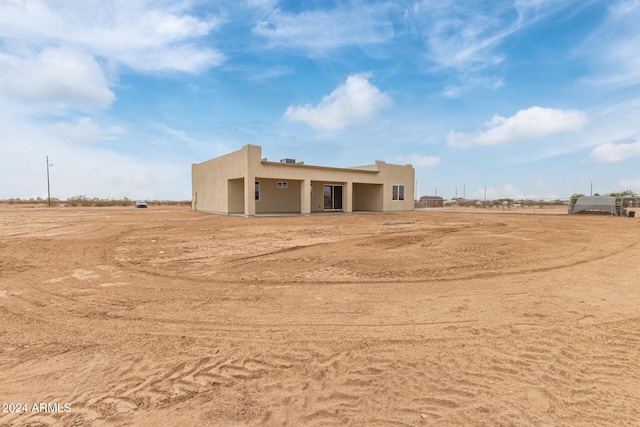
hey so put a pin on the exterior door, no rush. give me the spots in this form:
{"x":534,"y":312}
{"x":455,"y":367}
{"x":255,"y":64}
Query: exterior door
{"x":332,"y":197}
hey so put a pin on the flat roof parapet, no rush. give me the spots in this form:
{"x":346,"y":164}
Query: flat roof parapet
{"x":302,"y":165}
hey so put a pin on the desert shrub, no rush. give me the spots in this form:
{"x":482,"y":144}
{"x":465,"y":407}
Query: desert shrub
{"x":102,"y":203}
{"x":84,"y":201}
{"x":79,"y":201}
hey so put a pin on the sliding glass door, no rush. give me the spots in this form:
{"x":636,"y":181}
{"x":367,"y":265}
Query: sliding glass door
{"x":332,"y":197}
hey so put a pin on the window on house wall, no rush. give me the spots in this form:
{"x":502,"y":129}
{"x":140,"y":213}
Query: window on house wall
{"x":257,"y":190}
{"x":282,"y":185}
{"x":398,"y":192}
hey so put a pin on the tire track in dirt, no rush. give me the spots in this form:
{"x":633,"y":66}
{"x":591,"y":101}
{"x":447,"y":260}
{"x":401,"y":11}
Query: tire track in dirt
{"x":554,"y":347}
{"x":143,"y":384}
{"x":516,"y":380}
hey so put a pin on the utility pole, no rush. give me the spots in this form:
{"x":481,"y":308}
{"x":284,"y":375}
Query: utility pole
{"x":48,"y":183}
{"x":464,"y":192}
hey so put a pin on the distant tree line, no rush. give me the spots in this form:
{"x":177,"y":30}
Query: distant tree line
{"x":506,"y":202}
{"x":84,"y":201}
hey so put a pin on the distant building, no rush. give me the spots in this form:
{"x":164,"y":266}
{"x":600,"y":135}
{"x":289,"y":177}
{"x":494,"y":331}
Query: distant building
{"x":431,"y":202}
{"x":244,"y":183}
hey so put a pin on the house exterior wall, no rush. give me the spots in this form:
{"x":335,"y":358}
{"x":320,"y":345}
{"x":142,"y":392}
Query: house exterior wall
{"x":212,"y":190}
{"x":209,"y":181}
{"x":396,"y":175}
{"x":278,"y":200}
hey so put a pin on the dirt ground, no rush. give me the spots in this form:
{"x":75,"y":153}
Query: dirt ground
{"x":163,"y":316}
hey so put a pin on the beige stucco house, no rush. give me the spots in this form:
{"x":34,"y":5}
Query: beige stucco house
{"x":244,"y":183}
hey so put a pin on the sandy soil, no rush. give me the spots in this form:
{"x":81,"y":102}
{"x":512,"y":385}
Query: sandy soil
{"x":168,"y":317}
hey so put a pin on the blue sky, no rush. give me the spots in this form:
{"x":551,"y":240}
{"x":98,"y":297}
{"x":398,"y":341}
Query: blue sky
{"x":528,"y":98}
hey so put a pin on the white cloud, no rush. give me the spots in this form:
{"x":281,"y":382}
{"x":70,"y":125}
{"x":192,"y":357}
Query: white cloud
{"x":464,"y":35}
{"x":142,"y":34}
{"x":469,"y":37}
{"x":534,"y":122}
{"x":57,"y":76}
{"x":269,"y":73}
{"x":615,"y":46}
{"x":418,"y":160}
{"x":319,"y":31}
{"x":468,"y":83}
{"x":262,"y":4}
{"x":85,"y":130}
{"x":613,"y":153}
{"x":186,"y":58}
{"x":354,"y":102}
{"x":452,"y":92}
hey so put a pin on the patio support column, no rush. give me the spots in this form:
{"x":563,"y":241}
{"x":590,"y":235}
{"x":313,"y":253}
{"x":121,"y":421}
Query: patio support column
{"x":305,"y":197}
{"x":348,"y":197}
{"x":249,"y":196}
